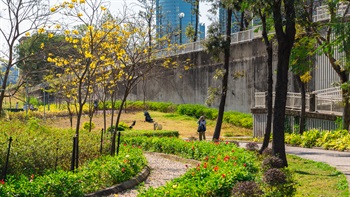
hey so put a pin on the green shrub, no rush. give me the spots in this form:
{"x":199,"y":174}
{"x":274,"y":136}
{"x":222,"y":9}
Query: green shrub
{"x":223,"y":164}
{"x":36,"y":148}
{"x":86,"y":126}
{"x":152,"y":133}
{"x":93,"y":176}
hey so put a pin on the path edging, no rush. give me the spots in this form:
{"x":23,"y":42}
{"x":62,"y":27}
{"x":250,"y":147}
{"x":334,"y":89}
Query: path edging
{"x":142,"y":176}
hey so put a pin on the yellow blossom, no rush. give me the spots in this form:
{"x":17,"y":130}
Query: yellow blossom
{"x":70,"y":5}
{"x":66,"y":32}
{"x":42,"y":45}
{"x":102,"y":58}
{"x":76,"y":32}
{"x":50,"y":35}
{"x":87,"y":54}
{"x":306,"y":77}
{"x":82,"y":1}
{"x":90,"y":28}
{"x":41,"y":30}
{"x":74,"y":1}
{"x":53,"y":9}
{"x":27,"y":33}
{"x":57,"y":26}
{"x":103,"y":8}
{"x":80,"y":14}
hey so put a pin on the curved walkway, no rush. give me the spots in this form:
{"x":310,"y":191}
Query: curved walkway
{"x":167,"y":167}
{"x":163,"y":169}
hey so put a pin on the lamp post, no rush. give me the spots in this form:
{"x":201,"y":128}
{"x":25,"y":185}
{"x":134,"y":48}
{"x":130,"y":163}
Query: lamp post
{"x":181,"y":15}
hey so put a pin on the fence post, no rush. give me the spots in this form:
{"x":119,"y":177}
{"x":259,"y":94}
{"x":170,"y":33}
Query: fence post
{"x":312,"y":102}
{"x":56,"y":162}
{"x":73,"y":154}
{"x":7,"y":159}
{"x":118,"y":142}
{"x":101,"y":141}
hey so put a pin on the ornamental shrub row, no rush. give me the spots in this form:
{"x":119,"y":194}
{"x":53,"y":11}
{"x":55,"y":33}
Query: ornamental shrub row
{"x":332,"y":140}
{"x":36,"y":148}
{"x":95,"y":175}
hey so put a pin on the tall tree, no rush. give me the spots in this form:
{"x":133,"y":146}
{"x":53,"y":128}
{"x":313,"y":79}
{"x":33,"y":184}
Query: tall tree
{"x":224,"y":42}
{"x":263,"y":10}
{"x":284,"y":22}
{"x":18,"y":17}
{"x":195,"y":11}
{"x":90,"y":40}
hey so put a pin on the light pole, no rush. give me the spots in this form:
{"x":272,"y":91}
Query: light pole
{"x":181,"y":15}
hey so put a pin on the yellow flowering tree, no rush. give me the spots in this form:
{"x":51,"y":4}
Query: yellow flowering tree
{"x":91,"y":42}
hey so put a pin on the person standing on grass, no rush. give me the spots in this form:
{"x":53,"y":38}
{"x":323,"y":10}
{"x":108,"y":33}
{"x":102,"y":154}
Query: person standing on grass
{"x":201,"y":128}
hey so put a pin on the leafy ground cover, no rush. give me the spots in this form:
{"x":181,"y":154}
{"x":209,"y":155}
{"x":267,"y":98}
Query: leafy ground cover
{"x":332,"y":140}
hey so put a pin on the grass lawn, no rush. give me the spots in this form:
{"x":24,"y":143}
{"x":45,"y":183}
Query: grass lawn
{"x":317,"y":178}
{"x":313,"y":178}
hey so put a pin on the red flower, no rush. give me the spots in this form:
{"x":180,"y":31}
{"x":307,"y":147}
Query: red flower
{"x":186,"y":166}
{"x":123,"y":169}
{"x":32,"y":177}
{"x":233,"y":150}
{"x":244,"y":164}
{"x":206,"y":158}
{"x":226,"y":158}
{"x":226,"y":142}
{"x":2,"y":182}
{"x":205,"y":165}
{"x":124,"y":144}
{"x":223,"y":175}
{"x":216,"y":168}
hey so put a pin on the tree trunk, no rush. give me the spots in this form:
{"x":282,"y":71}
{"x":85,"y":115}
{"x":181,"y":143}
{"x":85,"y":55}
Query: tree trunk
{"x":346,"y":110}
{"x":197,"y":21}
{"x":302,"y":121}
{"x":216,"y":135}
{"x":269,"y":50}
{"x":285,"y":33}
{"x":116,"y":125}
{"x":4,"y":83}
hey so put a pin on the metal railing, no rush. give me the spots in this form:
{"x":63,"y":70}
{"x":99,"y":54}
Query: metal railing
{"x":293,"y":100}
{"x":237,"y":37}
{"x":326,"y":101}
{"x":322,"y":12}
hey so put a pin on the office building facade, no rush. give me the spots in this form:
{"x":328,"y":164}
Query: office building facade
{"x":172,"y":19}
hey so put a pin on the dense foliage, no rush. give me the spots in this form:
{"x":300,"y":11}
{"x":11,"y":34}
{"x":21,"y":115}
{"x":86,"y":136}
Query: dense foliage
{"x":95,"y":175}
{"x":333,"y":140}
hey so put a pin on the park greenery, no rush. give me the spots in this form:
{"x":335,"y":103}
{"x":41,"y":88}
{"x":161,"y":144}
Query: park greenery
{"x":222,"y":165}
{"x":103,"y":57}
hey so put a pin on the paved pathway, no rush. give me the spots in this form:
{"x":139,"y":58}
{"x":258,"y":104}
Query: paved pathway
{"x":339,"y":160}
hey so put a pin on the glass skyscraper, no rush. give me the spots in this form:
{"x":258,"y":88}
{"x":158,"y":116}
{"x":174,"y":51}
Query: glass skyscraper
{"x":170,"y":20}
